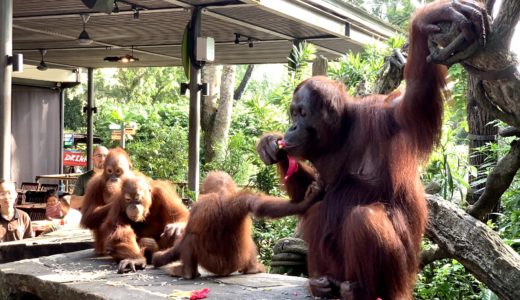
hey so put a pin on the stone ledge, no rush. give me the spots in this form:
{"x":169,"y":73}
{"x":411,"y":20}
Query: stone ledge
{"x":80,"y":275}
{"x":60,"y":241}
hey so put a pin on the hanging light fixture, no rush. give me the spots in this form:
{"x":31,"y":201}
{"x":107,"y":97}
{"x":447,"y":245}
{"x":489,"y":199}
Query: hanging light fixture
{"x":127,"y":58}
{"x":42,"y":66}
{"x":84,"y":39}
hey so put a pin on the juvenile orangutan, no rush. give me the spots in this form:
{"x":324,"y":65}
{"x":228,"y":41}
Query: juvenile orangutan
{"x":99,"y":191}
{"x":218,"y":233}
{"x":144,"y":216}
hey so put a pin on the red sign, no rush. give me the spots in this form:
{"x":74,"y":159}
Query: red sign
{"x":74,"y":158}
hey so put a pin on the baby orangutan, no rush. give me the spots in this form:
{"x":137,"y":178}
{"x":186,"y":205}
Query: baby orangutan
{"x":218,"y":233}
{"x":144,"y":217}
{"x":100,"y":191}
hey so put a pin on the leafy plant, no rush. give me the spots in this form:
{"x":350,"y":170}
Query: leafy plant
{"x":447,"y":279}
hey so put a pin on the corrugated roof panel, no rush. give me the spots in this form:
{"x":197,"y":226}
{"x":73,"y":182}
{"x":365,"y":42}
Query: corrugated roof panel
{"x":270,"y":21}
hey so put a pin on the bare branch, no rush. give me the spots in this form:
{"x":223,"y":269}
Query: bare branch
{"x":498,"y":182}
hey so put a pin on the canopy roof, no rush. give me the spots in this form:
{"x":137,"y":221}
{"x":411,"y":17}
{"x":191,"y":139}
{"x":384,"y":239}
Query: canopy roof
{"x":156,"y":35}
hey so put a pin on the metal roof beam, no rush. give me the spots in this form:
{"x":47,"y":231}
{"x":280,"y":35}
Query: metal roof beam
{"x":96,"y":14}
{"x":72,"y":38}
{"x":262,"y":29}
{"x":153,"y":46}
{"x":305,"y":14}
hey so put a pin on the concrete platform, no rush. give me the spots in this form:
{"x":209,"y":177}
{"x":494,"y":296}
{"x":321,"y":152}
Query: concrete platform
{"x":80,"y":275}
{"x":60,"y":241}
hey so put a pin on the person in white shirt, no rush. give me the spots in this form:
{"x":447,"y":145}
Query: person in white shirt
{"x":58,"y":209}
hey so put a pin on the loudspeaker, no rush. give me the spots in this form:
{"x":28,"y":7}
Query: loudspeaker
{"x":17,"y":61}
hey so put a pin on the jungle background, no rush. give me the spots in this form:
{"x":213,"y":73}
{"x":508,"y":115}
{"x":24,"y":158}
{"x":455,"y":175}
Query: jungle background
{"x":246,"y":101}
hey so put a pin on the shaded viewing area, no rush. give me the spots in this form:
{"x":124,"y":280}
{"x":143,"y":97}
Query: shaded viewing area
{"x":58,"y":55}
{"x":62,"y":42}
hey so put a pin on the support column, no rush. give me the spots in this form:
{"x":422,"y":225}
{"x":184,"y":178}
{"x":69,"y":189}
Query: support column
{"x":6,"y":50}
{"x":90,"y":123}
{"x":194,"y":132}
{"x":62,"y":125}
{"x":194,"y":126}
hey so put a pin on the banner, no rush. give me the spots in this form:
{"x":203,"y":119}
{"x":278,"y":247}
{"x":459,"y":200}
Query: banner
{"x":74,"y":158}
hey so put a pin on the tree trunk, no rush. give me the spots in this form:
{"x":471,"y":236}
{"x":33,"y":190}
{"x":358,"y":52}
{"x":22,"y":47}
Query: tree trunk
{"x":476,"y":246}
{"x":481,"y":132}
{"x":210,"y":75}
{"x":391,"y":75}
{"x":243,"y":84}
{"x":319,"y":66}
{"x":217,"y":137}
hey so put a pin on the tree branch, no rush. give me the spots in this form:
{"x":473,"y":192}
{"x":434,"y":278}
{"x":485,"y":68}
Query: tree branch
{"x":498,"y":181}
{"x":430,"y":255}
{"x":504,"y":25}
{"x":242,"y":86}
{"x":476,"y":246}
{"x":486,"y":101}
{"x":489,"y":6}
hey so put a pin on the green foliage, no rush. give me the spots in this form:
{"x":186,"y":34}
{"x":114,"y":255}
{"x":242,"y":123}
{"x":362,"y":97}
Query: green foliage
{"x":447,"y":279}
{"x":449,"y":163}
{"x":298,"y":61}
{"x":363,"y":68}
{"x":74,"y":119}
{"x":267,"y":232}
{"x":160,"y":146}
{"x":237,"y":160}
{"x":141,"y":85}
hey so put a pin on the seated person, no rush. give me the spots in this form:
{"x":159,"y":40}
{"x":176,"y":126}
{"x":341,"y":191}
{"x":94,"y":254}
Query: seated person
{"x":15,"y":224}
{"x":58,"y":209}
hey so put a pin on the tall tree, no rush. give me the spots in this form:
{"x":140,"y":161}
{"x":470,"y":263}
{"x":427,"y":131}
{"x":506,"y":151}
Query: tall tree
{"x":243,"y":83}
{"x":216,"y":110}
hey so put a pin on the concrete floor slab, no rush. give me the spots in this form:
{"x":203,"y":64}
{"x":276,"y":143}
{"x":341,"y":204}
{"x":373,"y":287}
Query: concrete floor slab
{"x":81,"y":275}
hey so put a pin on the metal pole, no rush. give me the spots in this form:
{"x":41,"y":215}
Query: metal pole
{"x":194,"y":131}
{"x":194,"y":126}
{"x":6,"y":50}
{"x":122,"y":141}
{"x":62,"y":120}
{"x":90,"y":123}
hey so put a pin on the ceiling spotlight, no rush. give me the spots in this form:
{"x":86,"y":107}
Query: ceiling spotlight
{"x":116,"y":8}
{"x":83,"y":38}
{"x":42,"y":66}
{"x":136,"y":11}
{"x":237,"y":38}
{"x":128,"y":58}
{"x":250,"y":42}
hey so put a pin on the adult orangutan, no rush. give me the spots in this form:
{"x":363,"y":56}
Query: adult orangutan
{"x":99,"y":191}
{"x":218,"y":233}
{"x":144,"y":216}
{"x":364,"y":235}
